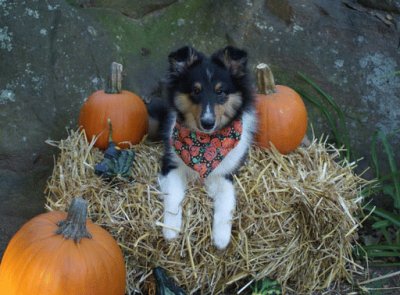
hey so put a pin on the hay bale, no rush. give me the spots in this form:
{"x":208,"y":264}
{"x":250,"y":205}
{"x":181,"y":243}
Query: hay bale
{"x":294,"y":219}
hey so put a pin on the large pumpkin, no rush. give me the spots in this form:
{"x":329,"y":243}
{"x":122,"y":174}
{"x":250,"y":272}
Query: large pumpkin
{"x":56,"y":254}
{"x":281,"y":114}
{"x":125,"y":109}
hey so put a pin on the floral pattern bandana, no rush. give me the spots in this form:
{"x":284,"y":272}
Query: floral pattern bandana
{"x":204,"y":152}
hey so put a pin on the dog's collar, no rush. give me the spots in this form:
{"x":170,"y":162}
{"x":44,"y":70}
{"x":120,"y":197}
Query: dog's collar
{"x":203,"y":152}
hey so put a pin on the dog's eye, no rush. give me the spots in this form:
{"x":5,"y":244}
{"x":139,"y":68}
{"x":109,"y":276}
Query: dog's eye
{"x":219,"y":89}
{"x":221,"y":97}
{"x":196,"y":88}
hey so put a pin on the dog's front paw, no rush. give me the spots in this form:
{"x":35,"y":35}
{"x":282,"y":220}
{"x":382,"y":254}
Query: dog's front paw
{"x":170,"y":234}
{"x":172,"y":226}
{"x":222,"y":235}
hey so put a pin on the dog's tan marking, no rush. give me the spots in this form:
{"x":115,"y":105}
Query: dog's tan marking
{"x":191,"y":112}
{"x":225,"y":112}
{"x":182,"y":102}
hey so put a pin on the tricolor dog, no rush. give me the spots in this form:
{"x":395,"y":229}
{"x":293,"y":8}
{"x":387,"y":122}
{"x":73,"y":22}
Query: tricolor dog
{"x":207,"y":133}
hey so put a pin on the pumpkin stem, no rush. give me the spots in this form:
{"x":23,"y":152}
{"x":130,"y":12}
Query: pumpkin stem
{"x":74,"y":227}
{"x":265,"y":79}
{"x":115,"y":80}
{"x":109,"y":130}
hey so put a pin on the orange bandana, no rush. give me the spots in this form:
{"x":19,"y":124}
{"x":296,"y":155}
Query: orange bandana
{"x":204,"y":152}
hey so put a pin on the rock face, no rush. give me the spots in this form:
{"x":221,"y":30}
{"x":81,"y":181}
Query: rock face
{"x":387,"y":5}
{"x":131,"y":8}
{"x":52,"y":56}
{"x":50,"y":60}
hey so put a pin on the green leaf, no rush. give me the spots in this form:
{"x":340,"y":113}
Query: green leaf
{"x":389,"y":264}
{"x":165,"y":284}
{"x":393,"y":167}
{"x":389,"y":176}
{"x":392,"y":217}
{"x":330,"y":101}
{"x":378,"y":253}
{"x":381,"y":224}
{"x":382,"y":247}
{"x":267,"y":286}
{"x":374,"y":154}
{"x":326,"y":113}
{"x":388,"y":190}
{"x":115,"y":162}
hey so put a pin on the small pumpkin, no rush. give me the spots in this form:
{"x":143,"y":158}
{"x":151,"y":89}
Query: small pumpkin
{"x":281,"y":114}
{"x":59,"y":254}
{"x":125,"y":109}
{"x":166,"y":285}
{"x":116,"y":162}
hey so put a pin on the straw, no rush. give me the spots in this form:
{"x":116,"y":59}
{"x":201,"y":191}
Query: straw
{"x":295,"y":220}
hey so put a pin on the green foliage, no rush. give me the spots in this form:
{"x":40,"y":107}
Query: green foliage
{"x":266,"y":286}
{"x":390,"y":184}
{"x":116,"y":162}
{"x":165,"y":284}
{"x":385,"y":223}
{"x":331,"y":111}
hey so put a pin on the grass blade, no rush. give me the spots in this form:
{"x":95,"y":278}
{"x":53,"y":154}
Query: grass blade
{"x":328,"y":116}
{"x":329,"y":99}
{"x":390,"y":264}
{"x":381,"y":224}
{"x":374,"y":251}
{"x":374,"y":154}
{"x":382,"y":247}
{"x":393,"y":167}
{"x":389,"y":176}
{"x":393,"y":218}
{"x":323,"y":109}
{"x":321,"y":92}
{"x":375,"y":254}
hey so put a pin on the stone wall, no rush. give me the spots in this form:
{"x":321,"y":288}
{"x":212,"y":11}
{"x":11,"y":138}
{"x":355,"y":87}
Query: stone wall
{"x":53,"y":54}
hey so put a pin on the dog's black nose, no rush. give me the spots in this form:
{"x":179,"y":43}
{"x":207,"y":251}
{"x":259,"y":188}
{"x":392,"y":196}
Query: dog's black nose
{"x":207,"y":123}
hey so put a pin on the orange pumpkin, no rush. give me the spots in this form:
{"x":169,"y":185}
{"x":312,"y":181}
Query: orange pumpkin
{"x":125,"y":109}
{"x":281,"y":113}
{"x":56,"y":254}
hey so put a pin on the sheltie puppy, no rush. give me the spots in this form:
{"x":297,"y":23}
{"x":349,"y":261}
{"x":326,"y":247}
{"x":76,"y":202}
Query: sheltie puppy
{"x":208,"y":129}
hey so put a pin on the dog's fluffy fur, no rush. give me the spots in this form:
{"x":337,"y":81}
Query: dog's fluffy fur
{"x":205,"y":94}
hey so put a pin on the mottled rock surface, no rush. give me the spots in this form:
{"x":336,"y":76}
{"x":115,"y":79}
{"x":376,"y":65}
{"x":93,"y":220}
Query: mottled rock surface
{"x":50,"y":60}
{"x":53,"y":54}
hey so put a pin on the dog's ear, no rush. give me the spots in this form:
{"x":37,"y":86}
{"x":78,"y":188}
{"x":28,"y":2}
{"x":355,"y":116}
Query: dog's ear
{"x":234,"y":59}
{"x":183,"y":58}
